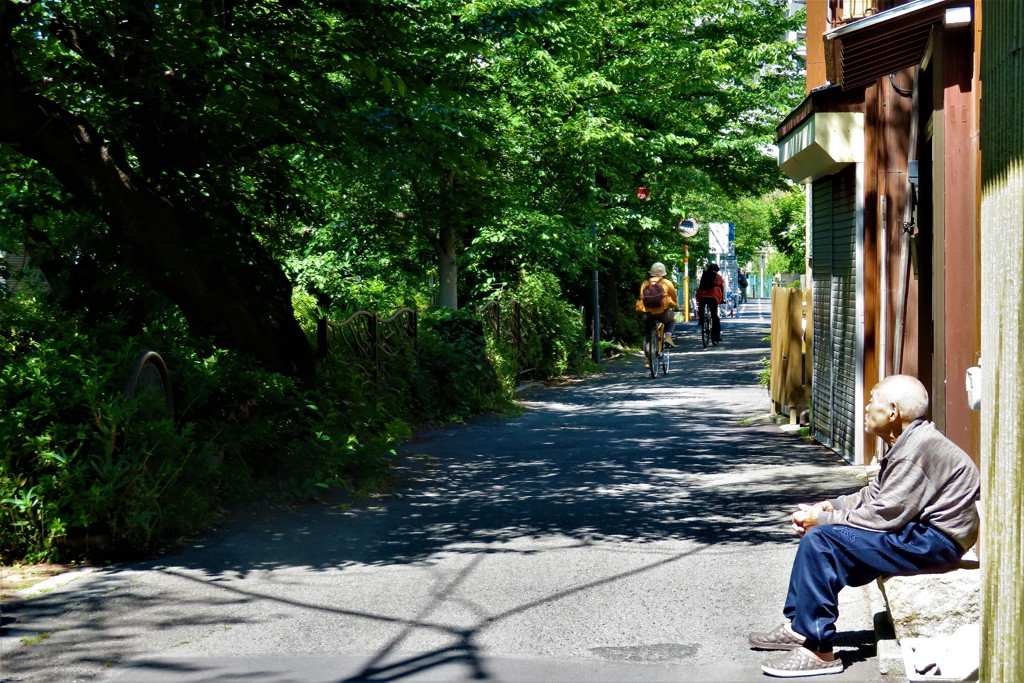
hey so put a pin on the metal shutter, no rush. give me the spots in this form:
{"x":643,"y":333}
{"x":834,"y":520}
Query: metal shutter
{"x":834,"y":245}
{"x":821,"y":293}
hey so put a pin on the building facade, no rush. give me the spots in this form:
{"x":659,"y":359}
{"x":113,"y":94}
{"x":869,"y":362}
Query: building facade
{"x":887,"y":143}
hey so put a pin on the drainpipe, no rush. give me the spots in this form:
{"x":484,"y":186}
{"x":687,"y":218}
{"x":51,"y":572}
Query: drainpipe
{"x":903,"y":276}
{"x":883,"y":285}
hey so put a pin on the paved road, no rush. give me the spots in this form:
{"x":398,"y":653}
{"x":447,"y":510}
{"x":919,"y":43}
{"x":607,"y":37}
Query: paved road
{"x":619,"y":529}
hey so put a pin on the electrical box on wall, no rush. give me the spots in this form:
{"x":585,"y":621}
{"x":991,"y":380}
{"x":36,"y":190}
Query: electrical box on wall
{"x":974,"y":388}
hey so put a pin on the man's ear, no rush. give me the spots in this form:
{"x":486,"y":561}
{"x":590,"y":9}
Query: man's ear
{"x":894,"y":412}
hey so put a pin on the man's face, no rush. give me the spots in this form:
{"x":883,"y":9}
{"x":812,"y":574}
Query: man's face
{"x":877,"y":416}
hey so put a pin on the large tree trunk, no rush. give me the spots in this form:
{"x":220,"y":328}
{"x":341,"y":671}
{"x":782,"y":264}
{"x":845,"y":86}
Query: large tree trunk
{"x":225,"y":283}
{"x":447,"y":267}
{"x":439,"y":229}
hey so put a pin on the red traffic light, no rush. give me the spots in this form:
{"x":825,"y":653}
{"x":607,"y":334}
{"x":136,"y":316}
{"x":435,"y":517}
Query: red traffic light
{"x":643,"y":193}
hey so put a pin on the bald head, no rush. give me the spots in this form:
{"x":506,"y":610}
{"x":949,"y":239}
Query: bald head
{"x":906,"y":392}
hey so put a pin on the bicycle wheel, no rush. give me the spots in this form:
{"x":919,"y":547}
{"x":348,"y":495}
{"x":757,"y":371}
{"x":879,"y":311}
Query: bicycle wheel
{"x":664,"y":362}
{"x":658,"y":349}
{"x":705,"y":327}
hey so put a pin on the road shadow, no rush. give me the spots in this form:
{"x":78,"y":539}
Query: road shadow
{"x":615,"y":458}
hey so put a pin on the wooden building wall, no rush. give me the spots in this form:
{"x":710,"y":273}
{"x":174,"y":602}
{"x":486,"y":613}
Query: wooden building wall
{"x":887,"y":122}
{"x":817,"y":11}
{"x":960,"y":342}
{"x":1002,"y":402}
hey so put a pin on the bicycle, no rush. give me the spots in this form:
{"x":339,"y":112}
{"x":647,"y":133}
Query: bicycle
{"x":705,"y":326}
{"x":729,"y":306}
{"x":655,"y":351}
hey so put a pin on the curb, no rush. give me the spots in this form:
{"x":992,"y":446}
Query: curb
{"x":53,"y":583}
{"x":889,"y":652}
{"x":527,"y":387}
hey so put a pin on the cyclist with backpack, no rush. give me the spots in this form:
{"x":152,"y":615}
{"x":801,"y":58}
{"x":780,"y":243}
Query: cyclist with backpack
{"x":658,"y":302}
{"x":711,"y":293}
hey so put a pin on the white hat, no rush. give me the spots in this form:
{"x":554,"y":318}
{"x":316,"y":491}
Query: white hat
{"x":658,"y":269}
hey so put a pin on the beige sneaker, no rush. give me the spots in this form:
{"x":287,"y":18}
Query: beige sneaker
{"x":799,"y":663}
{"x":779,"y":638}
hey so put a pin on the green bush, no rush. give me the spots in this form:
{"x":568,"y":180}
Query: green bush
{"x":455,"y":375}
{"x":552,"y":328}
{"x":86,"y":471}
{"x":83,"y":466}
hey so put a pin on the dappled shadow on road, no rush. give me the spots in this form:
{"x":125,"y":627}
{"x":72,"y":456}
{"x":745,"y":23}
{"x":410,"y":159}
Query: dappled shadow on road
{"x":621,"y":457}
{"x":98,"y":633}
{"x":618,"y":458}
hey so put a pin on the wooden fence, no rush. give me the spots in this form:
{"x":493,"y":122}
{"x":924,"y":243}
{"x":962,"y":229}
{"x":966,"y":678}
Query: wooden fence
{"x":790,"y":386}
{"x":505,"y":323}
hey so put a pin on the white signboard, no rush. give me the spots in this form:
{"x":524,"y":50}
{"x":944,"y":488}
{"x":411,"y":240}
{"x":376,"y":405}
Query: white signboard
{"x":718,"y":237}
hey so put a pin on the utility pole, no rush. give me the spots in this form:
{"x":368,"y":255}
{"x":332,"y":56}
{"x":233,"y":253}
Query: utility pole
{"x":687,"y":228}
{"x":597,"y":299}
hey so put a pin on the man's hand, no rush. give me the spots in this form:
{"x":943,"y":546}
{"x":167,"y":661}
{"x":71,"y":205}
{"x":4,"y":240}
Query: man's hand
{"x":806,"y":516}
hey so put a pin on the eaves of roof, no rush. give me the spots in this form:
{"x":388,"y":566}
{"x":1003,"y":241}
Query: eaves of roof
{"x":862,"y":51}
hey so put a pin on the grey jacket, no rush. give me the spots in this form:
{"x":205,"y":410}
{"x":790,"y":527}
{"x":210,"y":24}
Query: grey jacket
{"x":924,"y":477}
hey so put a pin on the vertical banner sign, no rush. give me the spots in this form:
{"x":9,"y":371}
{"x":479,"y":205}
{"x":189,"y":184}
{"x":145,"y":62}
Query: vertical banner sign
{"x":722,"y":242}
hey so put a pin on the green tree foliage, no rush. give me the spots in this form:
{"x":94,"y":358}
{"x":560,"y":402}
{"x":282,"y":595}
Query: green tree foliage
{"x":523,"y":127}
{"x":774,"y":220}
{"x":680,"y":98}
{"x":200,"y":145}
{"x":177,"y":170}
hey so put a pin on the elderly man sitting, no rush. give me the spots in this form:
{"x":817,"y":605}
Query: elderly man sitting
{"x":918,"y":515}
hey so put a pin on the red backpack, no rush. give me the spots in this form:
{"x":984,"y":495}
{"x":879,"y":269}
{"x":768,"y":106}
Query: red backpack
{"x":653,"y":295}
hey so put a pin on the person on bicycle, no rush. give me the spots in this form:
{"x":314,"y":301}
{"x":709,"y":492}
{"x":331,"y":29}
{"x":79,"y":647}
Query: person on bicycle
{"x":711,"y":293}
{"x":655,"y":307}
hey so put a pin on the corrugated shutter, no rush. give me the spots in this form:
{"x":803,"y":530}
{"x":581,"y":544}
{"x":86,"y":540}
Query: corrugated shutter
{"x":834,"y":244}
{"x":821,"y":292}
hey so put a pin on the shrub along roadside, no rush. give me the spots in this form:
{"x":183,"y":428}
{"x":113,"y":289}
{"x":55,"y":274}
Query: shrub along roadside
{"x":553,"y":338}
{"x":86,"y":472}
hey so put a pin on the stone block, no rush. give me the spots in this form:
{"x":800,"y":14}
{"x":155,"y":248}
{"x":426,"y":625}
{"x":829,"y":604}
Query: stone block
{"x":931,"y":605}
{"x":953,"y":657}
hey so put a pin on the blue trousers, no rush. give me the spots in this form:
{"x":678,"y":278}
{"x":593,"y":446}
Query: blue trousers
{"x":834,"y":555}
